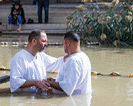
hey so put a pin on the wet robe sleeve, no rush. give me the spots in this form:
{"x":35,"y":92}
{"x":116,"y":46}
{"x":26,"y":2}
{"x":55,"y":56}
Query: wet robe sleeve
{"x":48,"y":60}
{"x":17,"y":73}
{"x":55,"y":66}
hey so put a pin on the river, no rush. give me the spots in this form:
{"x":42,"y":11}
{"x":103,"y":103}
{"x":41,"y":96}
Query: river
{"x":106,"y":90}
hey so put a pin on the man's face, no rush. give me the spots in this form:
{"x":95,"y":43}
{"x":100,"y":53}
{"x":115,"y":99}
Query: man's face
{"x":65,"y":43}
{"x":42,"y":42}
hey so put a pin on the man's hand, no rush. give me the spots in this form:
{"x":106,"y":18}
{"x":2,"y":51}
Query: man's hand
{"x":50,"y":79}
{"x":43,"y":85}
{"x":54,"y":84}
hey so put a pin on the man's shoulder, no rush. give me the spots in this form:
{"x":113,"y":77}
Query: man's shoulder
{"x":78,"y":56}
{"x":19,"y":54}
{"x":42,"y":54}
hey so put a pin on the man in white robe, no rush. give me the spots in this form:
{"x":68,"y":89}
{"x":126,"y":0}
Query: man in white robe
{"x":28,"y":67}
{"x":74,"y":69}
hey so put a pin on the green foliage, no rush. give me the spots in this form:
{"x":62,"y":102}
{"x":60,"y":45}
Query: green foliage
{"x":114,"y":27}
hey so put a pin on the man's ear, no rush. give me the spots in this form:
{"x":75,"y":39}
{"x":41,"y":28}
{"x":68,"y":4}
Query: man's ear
{"x":69,"y":42}
{"x":34,"y":41}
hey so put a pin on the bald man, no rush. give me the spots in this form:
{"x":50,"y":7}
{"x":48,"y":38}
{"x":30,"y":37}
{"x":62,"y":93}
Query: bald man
{"x":74,"y":69}
{"x":28,"y":67}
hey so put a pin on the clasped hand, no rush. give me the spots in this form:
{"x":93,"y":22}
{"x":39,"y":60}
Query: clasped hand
{"x":43,"y":85}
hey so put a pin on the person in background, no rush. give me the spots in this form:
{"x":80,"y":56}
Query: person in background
{"x":41,"y":4}
{"x":28,"y":66}
{"x":74,"y":69}
{"x":16,"y":16}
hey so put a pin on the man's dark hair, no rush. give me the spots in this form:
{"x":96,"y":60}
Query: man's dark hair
{"x":34,"y":34}
{"x":72,"y":35}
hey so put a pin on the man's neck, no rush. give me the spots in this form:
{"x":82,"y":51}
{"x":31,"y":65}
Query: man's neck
{"x":72,"y":52}
{"x":31,"y":50}
{"x":77,"y":50}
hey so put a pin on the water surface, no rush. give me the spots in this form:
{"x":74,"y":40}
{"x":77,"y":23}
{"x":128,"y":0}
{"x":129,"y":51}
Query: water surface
{"x":107,"y":90}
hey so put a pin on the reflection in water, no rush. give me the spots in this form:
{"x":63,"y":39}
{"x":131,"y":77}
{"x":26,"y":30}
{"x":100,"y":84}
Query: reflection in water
{"x":77,"y":100}
{"x":52,"y":99}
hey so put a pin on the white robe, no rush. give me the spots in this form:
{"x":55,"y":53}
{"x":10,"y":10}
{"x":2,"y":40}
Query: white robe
{"x":74,"y":74}
{"x":24,"y":66}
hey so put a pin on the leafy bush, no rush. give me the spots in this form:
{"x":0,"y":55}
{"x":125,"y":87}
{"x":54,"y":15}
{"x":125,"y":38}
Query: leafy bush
{"x":113,"y":27}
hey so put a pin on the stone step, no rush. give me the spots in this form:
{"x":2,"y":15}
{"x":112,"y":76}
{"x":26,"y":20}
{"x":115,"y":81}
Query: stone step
{"x":35,"y":8}
{"x":53,"y":8}
{"x":26,"y":32}
{"x":36,"y":26}
{"x":55,"y":20}
{"x":5,"y":13}
{"x":51,"y":14}
{"x":56,"y":14}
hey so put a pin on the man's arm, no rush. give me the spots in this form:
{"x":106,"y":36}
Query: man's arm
{"x":55,"y":85}
{"x":43,"y":85}
{"x":56,"y":66}
{"x":17,"y":80}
